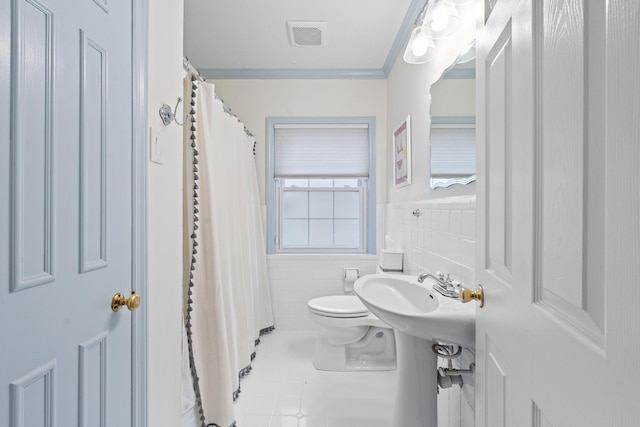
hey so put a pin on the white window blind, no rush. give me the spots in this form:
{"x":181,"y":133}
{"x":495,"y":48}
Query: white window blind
{"x":321,"y":151}
{"x":453,"y":151}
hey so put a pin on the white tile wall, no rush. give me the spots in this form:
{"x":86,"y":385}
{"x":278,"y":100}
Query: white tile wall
{"x":441,"y":238}
{"x":295,"y":279}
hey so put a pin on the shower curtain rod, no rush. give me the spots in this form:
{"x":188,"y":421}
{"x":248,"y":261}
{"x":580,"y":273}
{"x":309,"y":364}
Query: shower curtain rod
{"x":194,"y":72}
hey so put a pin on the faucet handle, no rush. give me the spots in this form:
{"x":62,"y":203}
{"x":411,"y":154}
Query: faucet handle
{"x":452,"y":285}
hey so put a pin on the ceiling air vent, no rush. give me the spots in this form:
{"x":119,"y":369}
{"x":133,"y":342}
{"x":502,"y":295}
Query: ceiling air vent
{"x":307,"y":33}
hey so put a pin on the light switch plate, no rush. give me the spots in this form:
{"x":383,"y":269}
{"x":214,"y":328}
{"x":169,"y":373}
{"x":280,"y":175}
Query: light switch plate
{"x":155,"y":146}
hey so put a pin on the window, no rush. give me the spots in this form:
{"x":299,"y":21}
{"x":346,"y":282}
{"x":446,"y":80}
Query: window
{"x":320,"y":185}
{"x":453,"y":150}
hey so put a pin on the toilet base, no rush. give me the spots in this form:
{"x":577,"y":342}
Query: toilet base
{"x":376,"y":351}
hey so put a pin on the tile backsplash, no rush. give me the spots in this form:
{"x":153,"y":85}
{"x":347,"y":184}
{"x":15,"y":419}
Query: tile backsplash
{"x":440,"y":236}
{"x":295,"y":279}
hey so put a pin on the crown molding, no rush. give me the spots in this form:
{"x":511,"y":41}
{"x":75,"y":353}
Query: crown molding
{"x":291,"y":73}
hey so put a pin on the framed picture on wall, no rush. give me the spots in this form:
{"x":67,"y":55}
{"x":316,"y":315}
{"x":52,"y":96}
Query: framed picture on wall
{"x":402,"y":153}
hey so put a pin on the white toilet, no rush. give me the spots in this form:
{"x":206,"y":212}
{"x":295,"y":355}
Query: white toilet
{"x":350,"y":337}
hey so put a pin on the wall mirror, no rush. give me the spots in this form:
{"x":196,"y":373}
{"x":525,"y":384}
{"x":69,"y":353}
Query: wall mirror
{"x":453,"y":125}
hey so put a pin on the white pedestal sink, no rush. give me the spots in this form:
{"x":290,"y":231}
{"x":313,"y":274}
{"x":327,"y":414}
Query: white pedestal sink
{"x":419,"y":317}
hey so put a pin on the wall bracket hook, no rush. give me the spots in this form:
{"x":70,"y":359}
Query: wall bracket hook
{"x":167,"y":116}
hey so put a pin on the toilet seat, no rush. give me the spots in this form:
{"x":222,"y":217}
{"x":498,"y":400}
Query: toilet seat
{"x":342,"y":306}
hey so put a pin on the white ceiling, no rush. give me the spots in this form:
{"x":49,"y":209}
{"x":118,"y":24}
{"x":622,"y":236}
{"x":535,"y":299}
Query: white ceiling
{"x":236,"y":38}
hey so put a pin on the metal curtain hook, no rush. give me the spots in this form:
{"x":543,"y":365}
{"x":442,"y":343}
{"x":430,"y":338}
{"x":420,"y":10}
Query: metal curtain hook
{"x":167,"y":116}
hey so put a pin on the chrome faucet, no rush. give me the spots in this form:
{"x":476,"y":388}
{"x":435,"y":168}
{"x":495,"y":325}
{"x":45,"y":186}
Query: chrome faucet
{"x":425,"y":275}
{"x":444,"y":285}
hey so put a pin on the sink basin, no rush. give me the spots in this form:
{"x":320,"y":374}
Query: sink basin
{"x":413,"y":308}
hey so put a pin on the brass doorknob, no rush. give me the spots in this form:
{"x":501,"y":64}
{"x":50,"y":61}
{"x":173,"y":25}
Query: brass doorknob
{"x":467,"y":295}
{"x":118,"y":301}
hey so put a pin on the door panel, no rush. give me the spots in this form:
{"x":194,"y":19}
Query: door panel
{"x":32,"y":397}
{"x":539,"y":420}
{"x":92,"y":405}
{"x":496,"y":387}
{"x":32,"y":156}
{"x":66,"y":195}
{"x":498,"y":70}
{"x":547,"y":259}
{"x":569,"y":231}
{"x":93,"y":151}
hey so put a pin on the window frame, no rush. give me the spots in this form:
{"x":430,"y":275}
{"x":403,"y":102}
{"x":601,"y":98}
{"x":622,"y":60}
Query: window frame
{"x":362,"y":192}
{"x":273,"y":191}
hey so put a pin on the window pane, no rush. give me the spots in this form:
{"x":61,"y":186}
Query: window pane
{"x":321,"y":183}
{"x":295,"y":232}
{"x":320,"y":204}
{"x":347,"y":233}
{"x":295,"y":182}
{"x":347,"y":204}
{"x":295,"y":204}
{"x":321,"y":233}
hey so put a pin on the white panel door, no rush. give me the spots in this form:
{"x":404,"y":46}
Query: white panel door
{"x":558,"y":213}
{"x":65,"y":212}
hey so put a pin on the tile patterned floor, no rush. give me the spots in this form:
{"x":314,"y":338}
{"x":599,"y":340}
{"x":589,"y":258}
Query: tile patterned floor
{"x":285,"y":390}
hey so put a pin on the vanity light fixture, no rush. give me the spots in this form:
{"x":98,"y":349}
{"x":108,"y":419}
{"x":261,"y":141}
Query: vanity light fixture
{"x":421,"y":47}
{"x":442,"y":18}
{"x":438,"y":19}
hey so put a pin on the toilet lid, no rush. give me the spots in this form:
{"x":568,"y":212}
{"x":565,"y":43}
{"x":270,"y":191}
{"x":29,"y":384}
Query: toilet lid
{"x":338,"y":306}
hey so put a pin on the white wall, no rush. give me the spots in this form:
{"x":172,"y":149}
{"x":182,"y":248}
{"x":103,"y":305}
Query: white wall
{"x":165,"y":217}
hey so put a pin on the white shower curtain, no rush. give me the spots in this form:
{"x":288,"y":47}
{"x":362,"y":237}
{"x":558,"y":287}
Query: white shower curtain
{"x":229,"y":302}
